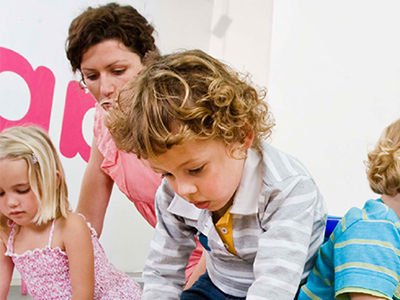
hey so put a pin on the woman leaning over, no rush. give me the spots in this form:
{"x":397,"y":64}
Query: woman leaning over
{"x":108,"y":46}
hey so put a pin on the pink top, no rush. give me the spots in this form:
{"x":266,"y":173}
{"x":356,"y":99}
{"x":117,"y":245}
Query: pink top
{"x":136,"y":181}
{"x":46,"y":272}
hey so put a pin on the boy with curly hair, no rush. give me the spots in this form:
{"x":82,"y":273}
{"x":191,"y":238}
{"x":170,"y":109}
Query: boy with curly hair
{"x":361,"y":260}
{"x":256,"y":210}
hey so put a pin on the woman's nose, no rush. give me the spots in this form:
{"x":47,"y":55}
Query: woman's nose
{"x":107,"y":87}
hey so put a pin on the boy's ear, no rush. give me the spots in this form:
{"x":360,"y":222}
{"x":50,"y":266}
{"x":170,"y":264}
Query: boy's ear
{"x":248,"y":140}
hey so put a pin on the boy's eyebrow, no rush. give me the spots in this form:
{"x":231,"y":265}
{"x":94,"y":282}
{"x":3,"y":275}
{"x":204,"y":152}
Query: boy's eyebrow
{"x":148,"y":164}
{"x":192,"y":161}
{"x":157,"y":170}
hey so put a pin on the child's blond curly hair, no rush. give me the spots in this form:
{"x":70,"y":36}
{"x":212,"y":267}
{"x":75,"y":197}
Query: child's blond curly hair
{"x":187,"y":95}
{"x":383,"y":165}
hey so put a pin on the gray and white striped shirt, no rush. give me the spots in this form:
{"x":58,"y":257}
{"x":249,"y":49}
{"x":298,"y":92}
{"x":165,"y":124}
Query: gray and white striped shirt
{"x":279,"y":219}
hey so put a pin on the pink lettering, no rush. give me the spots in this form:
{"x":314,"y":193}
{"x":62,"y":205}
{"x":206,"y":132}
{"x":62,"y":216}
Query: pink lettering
{"x":77,"y":103}
{"x":41,"y":86}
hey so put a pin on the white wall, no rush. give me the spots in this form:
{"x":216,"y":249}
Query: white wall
{"x":332,"y":69}
{"x":241,"y":36}
{"x":334,"y":86}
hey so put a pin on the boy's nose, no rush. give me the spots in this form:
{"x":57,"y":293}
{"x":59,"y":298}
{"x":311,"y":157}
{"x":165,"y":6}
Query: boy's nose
{"x":186,"y":189}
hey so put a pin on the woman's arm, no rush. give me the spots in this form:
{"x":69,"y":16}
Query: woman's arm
{"x":198,"y":271}
{"x":95,"y":190}
{"x":6,"y":271}
{"x":79,"y":248}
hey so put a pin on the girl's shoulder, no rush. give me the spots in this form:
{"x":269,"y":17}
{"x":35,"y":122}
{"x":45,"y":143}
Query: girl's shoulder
{"x":72,"y":228}
{"x":73,"y":223}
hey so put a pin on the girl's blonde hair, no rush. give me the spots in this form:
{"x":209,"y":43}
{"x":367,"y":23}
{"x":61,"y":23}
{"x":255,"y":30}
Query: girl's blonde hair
{"x":383,"y":165}
{"x":187,"y":95}
{"x":46,"y":174}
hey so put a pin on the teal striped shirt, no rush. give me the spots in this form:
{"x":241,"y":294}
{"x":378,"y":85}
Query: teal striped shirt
{"x":361,"y":256}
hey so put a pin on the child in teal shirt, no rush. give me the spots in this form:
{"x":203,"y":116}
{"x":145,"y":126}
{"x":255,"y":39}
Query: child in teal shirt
{"x":361,"y":260}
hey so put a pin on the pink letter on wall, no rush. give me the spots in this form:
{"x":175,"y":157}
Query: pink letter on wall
{"x":41,"y":86}
{"x":77,"y":104}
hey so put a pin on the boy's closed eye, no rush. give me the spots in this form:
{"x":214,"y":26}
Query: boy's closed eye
{"x":196,"y":171}
{"x":191,"y":172}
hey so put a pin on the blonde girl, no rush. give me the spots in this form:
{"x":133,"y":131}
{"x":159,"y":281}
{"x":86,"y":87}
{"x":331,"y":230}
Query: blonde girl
{"x":57,"y":253}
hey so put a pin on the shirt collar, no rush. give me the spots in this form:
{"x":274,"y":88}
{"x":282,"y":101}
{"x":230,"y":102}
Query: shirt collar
{"x":249,"y":190}
{"x":181,"y":207}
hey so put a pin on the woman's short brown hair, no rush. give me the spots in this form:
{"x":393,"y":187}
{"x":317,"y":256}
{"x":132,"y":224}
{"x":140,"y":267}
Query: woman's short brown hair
{"x":110,"y":21}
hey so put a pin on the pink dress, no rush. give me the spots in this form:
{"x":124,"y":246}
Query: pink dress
{"x":136,"y":181}
{"x":46,"y":272}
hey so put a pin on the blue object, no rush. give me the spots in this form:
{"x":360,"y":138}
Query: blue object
{"x":330,"y":225}
{"x":203,"y":241}
{"x":204,"y":289}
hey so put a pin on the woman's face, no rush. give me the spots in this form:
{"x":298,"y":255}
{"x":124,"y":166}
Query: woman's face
{"x":106,"y":67}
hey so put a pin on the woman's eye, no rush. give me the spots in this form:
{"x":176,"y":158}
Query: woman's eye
{"x":91,"y":77}
{"x":2,"y":194}
{"x":119,"y":71}
{"x":166,"y":175}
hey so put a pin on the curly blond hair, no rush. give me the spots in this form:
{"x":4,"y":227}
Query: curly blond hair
{"x":383,"y":165}
{"x":187,"y":95}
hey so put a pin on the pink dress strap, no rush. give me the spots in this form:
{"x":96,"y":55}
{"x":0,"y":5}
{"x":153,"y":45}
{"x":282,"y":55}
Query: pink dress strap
{"x":51,"y":233}
{"x":82,"y":216}
{"x":10,"y":242}
{"x":92,"y":230}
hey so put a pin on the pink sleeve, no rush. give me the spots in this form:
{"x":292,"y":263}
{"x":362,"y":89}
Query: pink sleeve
{"x":194,"y":260}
